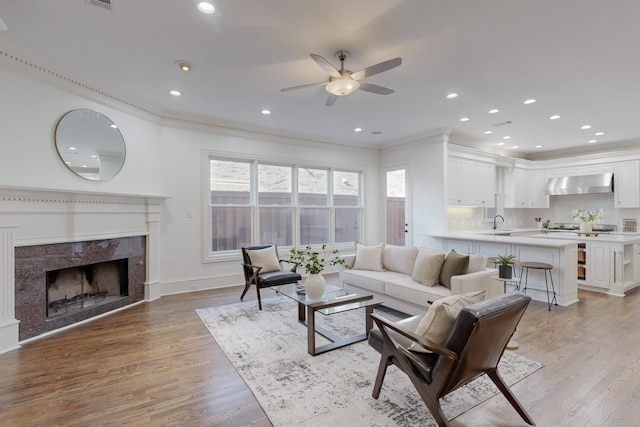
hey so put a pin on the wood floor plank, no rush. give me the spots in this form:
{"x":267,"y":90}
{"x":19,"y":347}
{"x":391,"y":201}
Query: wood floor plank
{"x":155,"y":364}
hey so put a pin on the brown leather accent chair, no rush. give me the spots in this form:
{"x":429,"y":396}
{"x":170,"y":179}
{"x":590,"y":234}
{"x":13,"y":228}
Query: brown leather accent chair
{"x":474,"y":347}
{"x":252,"y":275}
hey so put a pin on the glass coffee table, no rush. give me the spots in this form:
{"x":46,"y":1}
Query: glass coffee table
{"x":333,"y":300}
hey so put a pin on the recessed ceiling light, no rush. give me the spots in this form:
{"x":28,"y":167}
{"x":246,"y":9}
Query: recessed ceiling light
{"x":452,"y":95}
{"x":506,"y":137}
{"x":488,"y":132}
{"x":538,"y":146}
{"x":94,"y":156}
{"x":205,"y":6}
{"x":554,"y":117}
{"x":515,"y":146}
{"x":500,"y":143}
{"x":464,"y":119}
{"x":84,"y":166}
{"x":72,"y":148}
{"x":495,"y":110}
{"x":530,"y":101}
{"x":591,"y":141}
{"x":175,"y":92}
{"x":113,"y":125}
{"x":266,"y":112}
{"x":585,"y":127}
{"x":183,"y":65}
{"x":599,"y":133}
{"x":357,"y":130}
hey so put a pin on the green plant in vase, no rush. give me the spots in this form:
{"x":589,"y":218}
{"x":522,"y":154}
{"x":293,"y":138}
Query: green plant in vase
{"x":505,"y":269}
{"x":314,"y":262}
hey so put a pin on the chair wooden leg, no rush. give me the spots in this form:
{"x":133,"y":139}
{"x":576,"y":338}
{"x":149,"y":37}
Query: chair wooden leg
{"x":259,"y":301}
{"x":506,"y":391}
{"x":247,"y":285}
{"x":436,"y":410}
{"x":385,"y":361}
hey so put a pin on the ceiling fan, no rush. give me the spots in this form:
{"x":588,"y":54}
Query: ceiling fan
{"x":343,"y":82}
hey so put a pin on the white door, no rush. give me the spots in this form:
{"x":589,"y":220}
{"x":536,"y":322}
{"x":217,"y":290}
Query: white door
{"x":397,"y":207}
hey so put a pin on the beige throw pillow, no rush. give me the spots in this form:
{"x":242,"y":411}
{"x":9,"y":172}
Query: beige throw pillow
{"x":266,"y":258}
{"x":441,"y":316}
{"x":454,"y":265}
{"x":426,"y":269}
{"x":368,"y":257}
{"x":399,"y":258}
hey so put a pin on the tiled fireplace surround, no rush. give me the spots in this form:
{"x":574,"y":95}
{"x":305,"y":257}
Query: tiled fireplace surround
{"x":49,"y":229}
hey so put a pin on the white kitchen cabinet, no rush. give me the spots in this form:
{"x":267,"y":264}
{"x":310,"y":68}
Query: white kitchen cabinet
{"x":598,"y":265}
{"x":537,"y":183}
{"x":627,"y":184}
{"x":526,"y":190}
{"x":470,"y":183}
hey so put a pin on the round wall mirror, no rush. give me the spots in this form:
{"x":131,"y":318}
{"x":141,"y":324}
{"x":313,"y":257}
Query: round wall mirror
{"x":90,"y":144}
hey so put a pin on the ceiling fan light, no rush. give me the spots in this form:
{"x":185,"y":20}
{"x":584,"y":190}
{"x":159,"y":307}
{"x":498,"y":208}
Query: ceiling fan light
{"x":342,"y":87}
{"x":205,"y":6}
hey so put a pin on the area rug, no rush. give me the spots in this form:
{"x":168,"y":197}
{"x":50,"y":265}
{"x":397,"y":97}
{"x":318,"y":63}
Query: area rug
{"x":268,"y":348}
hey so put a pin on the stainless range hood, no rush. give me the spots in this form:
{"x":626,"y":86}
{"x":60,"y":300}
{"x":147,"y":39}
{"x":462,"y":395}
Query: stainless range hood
{"x":582,"y":184}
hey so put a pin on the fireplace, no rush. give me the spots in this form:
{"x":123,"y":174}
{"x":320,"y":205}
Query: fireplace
{"x":77,"y":288}
{"x":64,"y":283}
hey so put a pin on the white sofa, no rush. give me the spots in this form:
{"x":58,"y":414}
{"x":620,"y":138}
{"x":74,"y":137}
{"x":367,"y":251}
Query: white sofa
{"x":392,"y":283}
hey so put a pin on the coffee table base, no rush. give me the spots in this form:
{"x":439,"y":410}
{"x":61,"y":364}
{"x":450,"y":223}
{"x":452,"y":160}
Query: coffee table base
{"x":309,"y":319}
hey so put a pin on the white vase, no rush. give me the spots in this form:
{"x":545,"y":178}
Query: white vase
{"x":314,"y":285}
{"x":586,"y":227}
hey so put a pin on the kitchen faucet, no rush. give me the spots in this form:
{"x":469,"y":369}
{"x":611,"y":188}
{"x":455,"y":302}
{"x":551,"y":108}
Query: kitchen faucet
{"x":494,"y":221}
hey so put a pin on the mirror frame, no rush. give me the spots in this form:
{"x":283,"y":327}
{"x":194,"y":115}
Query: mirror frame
{"x":90,"y":144}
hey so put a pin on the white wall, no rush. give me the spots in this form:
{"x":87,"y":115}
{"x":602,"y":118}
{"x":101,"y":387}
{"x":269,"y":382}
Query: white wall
{"x":162,"y":159}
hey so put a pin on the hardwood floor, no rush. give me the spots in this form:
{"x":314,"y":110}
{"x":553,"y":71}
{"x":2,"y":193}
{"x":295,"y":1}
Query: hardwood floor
{"x":156,"y":364}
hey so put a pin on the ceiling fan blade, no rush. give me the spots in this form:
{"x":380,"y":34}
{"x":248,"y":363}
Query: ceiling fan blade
{"x":331,"y":99}
{"x":380,"y":90}
{"x":302,"y":86}
{"x":326,"y":65}
{"x":376,"y":69}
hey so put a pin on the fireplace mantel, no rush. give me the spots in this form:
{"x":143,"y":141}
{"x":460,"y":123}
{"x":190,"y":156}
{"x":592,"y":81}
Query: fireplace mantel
{"x":35,"y":216}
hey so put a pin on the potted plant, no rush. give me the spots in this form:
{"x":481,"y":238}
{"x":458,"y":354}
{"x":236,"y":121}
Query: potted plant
{"x":505,"y":269}
{"x":586,"y":218}
{"x":314,"y":262}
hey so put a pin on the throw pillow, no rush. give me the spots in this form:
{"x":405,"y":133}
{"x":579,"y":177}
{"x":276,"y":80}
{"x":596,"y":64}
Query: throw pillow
{"x":399,"y":258}
{"x":454,"y":265}
{"x":437,"y":323}
{"x":266,"y":258}
{"x":368,"y":257}
{"x":426,"y":269}
{"x":477,"y":262}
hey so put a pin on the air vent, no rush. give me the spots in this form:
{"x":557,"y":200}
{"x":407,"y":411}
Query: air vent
{"x":508,"y":122}
{"x":102,"y":3}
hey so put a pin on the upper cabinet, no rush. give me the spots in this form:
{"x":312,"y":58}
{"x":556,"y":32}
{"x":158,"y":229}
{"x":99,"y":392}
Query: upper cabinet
{"x":524,"y":188}
{"x":626,"y":184}
{"x":470,"y":183}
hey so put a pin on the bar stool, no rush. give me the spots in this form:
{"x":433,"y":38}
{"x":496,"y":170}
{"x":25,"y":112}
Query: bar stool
{"x":539,"y":266}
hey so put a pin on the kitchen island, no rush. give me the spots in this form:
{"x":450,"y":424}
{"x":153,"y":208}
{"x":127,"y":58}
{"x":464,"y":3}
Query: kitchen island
{"x":561,"y":253}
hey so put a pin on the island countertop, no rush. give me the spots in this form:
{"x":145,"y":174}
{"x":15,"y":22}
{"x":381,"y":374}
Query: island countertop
{"x":517,"y":240}
{"x":603,"y":237}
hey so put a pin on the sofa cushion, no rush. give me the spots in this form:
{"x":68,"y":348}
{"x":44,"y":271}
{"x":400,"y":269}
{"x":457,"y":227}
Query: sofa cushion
{"x":370,"y":280}
{"x":368,"y":257}
{"x":441,"y":316}
{"x":454,"y":265}
{"x":399,"y":258}
{"x":428,"y":264}
{"x":409,"y":290}
{"x":266,"y":258}
{"x":477,"y":262}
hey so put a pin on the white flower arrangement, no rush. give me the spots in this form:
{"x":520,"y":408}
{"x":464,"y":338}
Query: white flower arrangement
{"x":594,"y":216}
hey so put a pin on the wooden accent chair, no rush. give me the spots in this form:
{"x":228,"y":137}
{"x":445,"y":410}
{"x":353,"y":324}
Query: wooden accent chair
{"x":252,"y":275}
{"x":474,"y":347}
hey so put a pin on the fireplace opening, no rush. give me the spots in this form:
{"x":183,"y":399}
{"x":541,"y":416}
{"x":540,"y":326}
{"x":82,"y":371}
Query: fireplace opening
{"x":76,"y":288}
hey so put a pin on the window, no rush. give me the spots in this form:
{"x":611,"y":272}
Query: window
{"x":253,"y":202}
